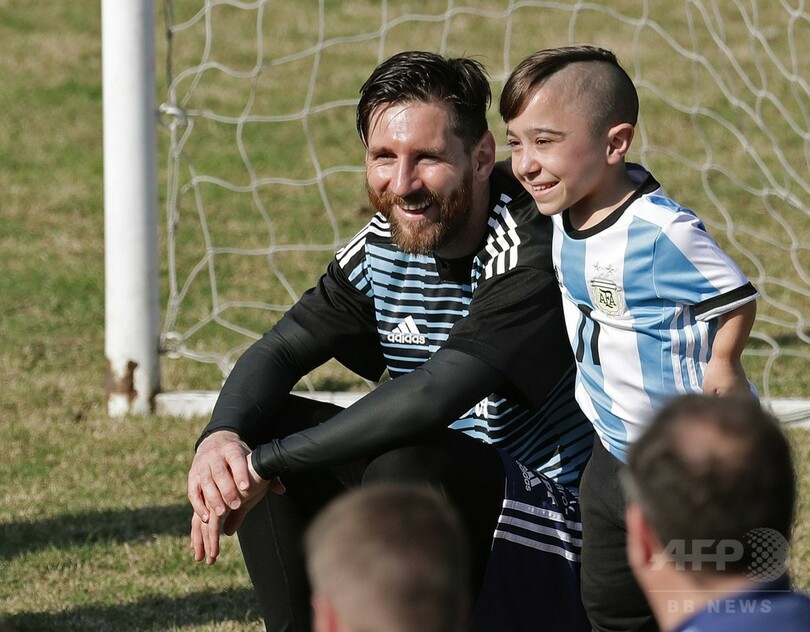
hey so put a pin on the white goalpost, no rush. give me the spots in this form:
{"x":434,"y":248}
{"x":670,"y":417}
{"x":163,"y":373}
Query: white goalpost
{"x":262,"y":176}
{"x":132,"y":308}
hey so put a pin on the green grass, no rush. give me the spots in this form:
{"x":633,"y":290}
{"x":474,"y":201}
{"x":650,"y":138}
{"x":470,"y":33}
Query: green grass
{"x":93,"y":518}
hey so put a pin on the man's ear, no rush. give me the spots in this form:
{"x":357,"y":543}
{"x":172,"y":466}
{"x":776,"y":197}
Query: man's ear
{"x":483,"y":157}
{"x":642,"y":542}
{"x":620,"y":137}
{"x":324,"y":616}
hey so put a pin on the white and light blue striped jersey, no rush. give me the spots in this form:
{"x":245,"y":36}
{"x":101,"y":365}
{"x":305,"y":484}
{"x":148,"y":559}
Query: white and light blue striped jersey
{"x":641,"y":293}
{"x":378,"y":307}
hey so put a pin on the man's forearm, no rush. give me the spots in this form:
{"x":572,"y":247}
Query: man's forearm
{"x":428,"y":398}
{"x":261,"y":380}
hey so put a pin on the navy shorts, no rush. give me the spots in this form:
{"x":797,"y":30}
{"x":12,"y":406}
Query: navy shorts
{"x":532,"y":579}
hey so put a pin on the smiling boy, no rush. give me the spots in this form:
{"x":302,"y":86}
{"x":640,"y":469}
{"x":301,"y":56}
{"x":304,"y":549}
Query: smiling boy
{"x":653,"y":307}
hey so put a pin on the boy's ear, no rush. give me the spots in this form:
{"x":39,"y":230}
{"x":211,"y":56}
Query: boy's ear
{"x":619,"y":139}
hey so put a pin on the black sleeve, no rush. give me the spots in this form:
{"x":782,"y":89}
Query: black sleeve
{"x":516,"y":324}
{"x":515,"y":320}
{"x":262,"y":379}
{"x":426,"y":399}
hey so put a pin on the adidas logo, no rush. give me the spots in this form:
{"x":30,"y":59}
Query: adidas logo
{"x":530,"y":479}
{"x":406,"y":332}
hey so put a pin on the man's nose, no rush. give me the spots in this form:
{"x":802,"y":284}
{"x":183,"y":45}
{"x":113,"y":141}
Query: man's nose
{"x":405,"y":179}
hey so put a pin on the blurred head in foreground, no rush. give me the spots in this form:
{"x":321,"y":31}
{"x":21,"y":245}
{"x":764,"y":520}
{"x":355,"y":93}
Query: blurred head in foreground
{"x":388,"y":558}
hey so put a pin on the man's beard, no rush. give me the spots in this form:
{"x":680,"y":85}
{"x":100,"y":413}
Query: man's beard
{"x":424,"y":236}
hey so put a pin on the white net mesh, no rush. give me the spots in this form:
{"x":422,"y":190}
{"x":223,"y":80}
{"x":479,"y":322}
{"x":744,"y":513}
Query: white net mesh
{"x":264,"y":177}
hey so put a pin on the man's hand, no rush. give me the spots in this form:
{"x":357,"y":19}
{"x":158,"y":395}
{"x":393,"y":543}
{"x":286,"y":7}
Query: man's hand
{"x":219,"y":476}
{"x":205,"y":539}
{"x":205,"y":535}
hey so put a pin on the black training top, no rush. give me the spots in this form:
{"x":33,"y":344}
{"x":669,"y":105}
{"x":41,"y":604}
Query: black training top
{"x":476,"y":343}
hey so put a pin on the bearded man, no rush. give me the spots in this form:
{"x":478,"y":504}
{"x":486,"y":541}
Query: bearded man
{"x":450,"y":289}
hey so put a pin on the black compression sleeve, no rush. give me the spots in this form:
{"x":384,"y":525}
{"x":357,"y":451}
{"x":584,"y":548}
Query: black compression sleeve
{"x":428,"y":398}
{"x":262,"y":379}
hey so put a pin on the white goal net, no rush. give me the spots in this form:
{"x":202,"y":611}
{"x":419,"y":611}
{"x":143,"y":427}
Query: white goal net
{"x":263,"y":176}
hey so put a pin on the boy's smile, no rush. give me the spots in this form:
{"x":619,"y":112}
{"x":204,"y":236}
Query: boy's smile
{"x":559,"y":158}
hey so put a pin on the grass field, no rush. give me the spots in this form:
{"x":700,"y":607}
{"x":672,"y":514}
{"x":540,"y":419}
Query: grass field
{"x":93,"y":518}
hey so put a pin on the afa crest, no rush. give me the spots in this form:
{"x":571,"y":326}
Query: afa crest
{"x":607,"y":296}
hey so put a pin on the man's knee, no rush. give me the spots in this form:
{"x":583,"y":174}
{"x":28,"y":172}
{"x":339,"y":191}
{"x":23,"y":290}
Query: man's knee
{"x":405,"y":464}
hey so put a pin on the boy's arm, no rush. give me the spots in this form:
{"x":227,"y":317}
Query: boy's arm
{"x":724,"y":372}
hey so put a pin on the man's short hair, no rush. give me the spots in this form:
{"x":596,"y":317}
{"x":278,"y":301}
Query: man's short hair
{"x":390,"y":557}
{"x":713,"y":468}
{"x":461,"y":84}
{"x":598,"y":85}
